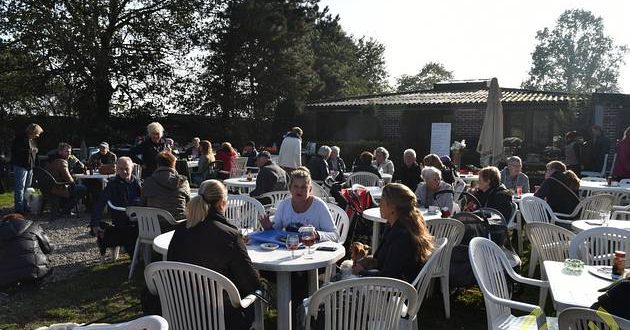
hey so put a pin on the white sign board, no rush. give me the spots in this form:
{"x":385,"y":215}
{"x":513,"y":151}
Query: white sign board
{"x":441,"y":139}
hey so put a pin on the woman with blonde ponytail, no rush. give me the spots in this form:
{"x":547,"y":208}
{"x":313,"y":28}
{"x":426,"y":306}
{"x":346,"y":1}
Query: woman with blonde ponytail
{"x":408,"y":243}
{"x":210,"y":241}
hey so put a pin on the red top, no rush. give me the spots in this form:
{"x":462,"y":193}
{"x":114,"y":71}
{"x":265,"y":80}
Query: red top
{"x":227,"y":158}
{"x":621,"y":168}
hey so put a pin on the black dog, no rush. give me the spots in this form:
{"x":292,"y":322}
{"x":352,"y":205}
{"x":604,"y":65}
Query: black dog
{"x":114,"y":236}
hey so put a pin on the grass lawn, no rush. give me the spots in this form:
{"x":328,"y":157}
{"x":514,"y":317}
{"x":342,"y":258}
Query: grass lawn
{"x":6,"y":199}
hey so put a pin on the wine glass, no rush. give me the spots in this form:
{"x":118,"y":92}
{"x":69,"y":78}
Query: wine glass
{"x":293,"y":242}
{"x":308,"y":238}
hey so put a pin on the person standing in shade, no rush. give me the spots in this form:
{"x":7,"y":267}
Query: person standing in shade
{"x":23,"y":158}
{"x":600,"y":145}
{"x":513,"y":177}
{"x":150,"y":148}
{"x":572,"y":151}
{"x":290,"y":155}
{"x":410,"y":174}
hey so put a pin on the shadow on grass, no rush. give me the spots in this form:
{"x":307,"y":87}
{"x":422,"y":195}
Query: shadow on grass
{"x":95,"y":293}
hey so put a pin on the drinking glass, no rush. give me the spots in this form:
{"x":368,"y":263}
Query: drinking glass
{"x":604,"y":216}
{"x":293,"y":242}
{"x":308,"y":238}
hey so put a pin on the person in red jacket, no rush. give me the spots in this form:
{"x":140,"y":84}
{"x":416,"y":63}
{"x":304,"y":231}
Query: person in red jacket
{"x":621,"y":168}
{"x":228,"y":155}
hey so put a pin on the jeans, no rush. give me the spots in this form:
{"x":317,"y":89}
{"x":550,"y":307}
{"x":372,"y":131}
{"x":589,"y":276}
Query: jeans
{"x":23,"y":177}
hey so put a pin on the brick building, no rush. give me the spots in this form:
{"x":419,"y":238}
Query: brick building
{"x":534,"y":116}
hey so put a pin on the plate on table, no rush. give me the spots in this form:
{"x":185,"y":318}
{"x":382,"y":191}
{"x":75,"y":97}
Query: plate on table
{"x":245,"y":180}
{"x":605,"y":272}
{"x":269,"y":246}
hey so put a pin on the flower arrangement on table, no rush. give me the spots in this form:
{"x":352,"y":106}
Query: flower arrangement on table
{"x":456,"y":149}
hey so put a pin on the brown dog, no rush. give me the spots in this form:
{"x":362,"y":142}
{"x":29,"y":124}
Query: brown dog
{"x":359,"y":255}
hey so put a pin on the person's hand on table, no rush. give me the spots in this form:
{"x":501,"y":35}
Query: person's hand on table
{"x":265,"y":222}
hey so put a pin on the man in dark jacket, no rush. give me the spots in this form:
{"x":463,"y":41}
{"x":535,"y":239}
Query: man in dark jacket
{"x":271,"y":177}
{"x":122,"y":190}
{"x":23,"y":158}
{"x":149,"y":149}
{"x":23,"y":250}
{"x":410,"y":173}
{"x":318,"y":166}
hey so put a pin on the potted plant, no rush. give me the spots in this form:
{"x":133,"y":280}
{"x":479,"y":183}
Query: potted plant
{"x":456,"y":149}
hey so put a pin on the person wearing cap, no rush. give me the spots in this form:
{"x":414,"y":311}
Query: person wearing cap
{"x":271,"y":177}
{"x":102,"y":157}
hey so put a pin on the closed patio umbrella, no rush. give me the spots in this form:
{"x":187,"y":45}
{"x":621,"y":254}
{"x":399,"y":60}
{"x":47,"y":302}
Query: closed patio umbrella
{"x":490,"y":145}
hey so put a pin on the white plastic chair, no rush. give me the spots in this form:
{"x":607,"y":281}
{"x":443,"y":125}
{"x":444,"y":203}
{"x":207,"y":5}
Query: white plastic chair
{"x":137,"y":170}
{"x":193,"y":297}
{"x":421,"y":282}
{"x":275,"y":197}
{"x":534,"y":209}
{"x":151,"y":322}
{"x":362,"y":303}
{"x":602,"y":173}
{"x":551,"y":243}
{"x":238,"y":169}
{"x":341,"y":220}
{"x":363,"y":178}
{"x":321,"y":192}
{"x":593,"y":179}
{"x":244,"y":211}
{"x":458,"y":188}
{"x":490,"y":265}
{"x":515,"y":223}
{"x":148,"y":219}
{"x":620,"y":197}
{"x":620,"y":215}
{"x":624,"y":182}
{"x":591,"y":207}
{"x":585,"y":319}
{"x":453,"y":230}
{"x":596,"y":246}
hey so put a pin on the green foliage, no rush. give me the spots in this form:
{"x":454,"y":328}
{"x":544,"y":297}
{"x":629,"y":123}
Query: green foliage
{"x":89,"y":54}
{"x":576,"y":56}
{"x":430,"y":74}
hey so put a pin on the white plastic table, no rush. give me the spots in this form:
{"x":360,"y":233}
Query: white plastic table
{"x":374,"y":215}
{"x":95,"y":176}
{"x":582,"y":225}
{"x":603,"y":186}
{"x":569,"y":290}
{"x":241,"y":184}
{"x":280,"y":262}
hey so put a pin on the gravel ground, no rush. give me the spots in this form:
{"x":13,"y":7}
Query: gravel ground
{"x":74,"y":247}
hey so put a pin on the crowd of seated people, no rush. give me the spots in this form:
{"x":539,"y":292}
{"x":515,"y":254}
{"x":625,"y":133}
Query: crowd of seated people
{"x":209,"y":240}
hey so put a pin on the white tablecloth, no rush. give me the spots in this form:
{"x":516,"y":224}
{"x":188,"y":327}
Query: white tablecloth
{"x":280,"y":262}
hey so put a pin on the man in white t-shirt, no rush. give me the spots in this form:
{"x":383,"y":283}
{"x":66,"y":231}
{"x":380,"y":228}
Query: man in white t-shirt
{"x":290,"y":156}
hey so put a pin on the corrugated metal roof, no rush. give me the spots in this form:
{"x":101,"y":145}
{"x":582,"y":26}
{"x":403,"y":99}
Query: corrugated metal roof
{"x":432,"y":97}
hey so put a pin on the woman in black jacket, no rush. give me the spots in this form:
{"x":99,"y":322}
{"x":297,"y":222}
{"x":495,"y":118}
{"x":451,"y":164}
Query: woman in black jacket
{"x":23,"y":249}
{"x":492,"y":193}
{"x":408,"y":244}
{"x":209,"y":241}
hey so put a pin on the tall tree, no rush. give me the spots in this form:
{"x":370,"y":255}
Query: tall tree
{"x":575,"y":56}
{"x":430,"y":74}
{"x":100,"y":49}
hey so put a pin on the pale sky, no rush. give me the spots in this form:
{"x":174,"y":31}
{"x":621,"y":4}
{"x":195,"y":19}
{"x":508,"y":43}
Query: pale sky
{"x":475,"y":39}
